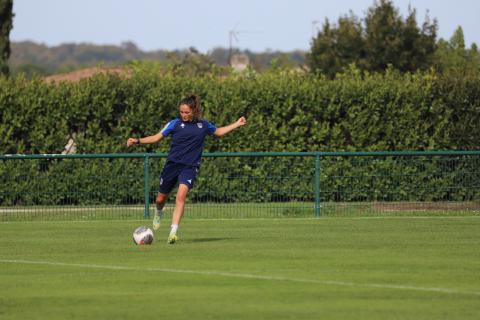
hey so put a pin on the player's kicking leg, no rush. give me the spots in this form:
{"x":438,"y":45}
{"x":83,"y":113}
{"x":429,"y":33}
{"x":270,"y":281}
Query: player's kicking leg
{"x":178,"y":212}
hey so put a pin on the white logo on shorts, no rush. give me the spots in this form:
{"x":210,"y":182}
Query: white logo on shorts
{"x":190,"y":181}
{"x":200,"y":125}
{"x":161,"y":180}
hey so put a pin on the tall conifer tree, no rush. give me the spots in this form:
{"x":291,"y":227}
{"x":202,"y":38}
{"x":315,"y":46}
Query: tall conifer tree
{"x":6,"y":17}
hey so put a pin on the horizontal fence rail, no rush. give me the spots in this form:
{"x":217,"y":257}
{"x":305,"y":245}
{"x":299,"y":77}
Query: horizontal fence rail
{"x":243,"y":184}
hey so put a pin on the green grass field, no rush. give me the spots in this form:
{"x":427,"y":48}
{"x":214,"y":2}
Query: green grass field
{"x":242,"y":210}
{"x":327,"y":268}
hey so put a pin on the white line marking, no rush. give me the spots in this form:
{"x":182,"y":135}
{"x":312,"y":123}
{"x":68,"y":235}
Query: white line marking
{"x":247,"y":276}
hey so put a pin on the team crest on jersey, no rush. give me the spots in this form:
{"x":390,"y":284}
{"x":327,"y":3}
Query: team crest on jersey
{"x":200,"y":125}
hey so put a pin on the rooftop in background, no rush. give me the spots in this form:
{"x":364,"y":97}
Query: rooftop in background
{"x":78,"y":75}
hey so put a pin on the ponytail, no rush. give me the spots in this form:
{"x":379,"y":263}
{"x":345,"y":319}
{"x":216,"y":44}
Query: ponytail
{"x":193,"y":101}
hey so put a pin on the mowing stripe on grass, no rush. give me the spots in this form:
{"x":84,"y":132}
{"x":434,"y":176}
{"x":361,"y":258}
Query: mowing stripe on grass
{"x":246,"y":276}
{"x":248,"y":219}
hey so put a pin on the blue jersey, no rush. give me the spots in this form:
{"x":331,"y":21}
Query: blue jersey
{"x":186,"y":145}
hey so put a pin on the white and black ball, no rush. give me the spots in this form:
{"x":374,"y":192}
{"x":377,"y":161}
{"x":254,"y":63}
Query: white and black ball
{"x":143,"y":235}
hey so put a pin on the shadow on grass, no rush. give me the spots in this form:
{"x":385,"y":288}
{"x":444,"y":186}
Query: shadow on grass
{"x":208,"y":239}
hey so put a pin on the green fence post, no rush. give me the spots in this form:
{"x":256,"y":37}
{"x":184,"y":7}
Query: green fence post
{"x":146,"y":188}
{"x":317,"y":186}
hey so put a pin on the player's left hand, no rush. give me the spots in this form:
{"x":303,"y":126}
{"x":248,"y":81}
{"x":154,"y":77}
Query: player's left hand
{"x":131,"y":142}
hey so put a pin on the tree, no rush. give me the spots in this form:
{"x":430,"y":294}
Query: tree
{"x":457,"y":41}
{"x":417,"y":45}
{"x":383,"y":35}
{"x":193,"y":62}
{"x":452,"y":56}
{"x":338,"y":46}
{"x":390,"y":40}
{"x":6,"y":17}
{"x":322,"y":57}
{"x":29,"y":70}
{"x":383,"y":39}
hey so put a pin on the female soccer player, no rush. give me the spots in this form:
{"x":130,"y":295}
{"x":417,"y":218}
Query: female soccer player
{"x":188,"y":132}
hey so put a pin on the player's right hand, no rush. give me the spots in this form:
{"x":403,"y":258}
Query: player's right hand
{"x":242,"y":121}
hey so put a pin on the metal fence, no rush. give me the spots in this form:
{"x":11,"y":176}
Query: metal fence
{"x":242,"y":185}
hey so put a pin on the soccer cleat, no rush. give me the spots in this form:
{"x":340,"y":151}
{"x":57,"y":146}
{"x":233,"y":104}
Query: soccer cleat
{"x":172,"y":239}
{"x":156,"y":222}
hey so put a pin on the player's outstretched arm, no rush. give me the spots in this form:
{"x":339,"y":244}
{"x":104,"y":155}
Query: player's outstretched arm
{"x":145,"y":140}
{"x":224,"y":130}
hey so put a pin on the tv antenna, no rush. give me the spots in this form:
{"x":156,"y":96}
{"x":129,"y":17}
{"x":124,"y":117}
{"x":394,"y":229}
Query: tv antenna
{"x":233,"y":36}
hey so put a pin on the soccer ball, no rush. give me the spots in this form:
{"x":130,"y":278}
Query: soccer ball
{"x":143,"y":235}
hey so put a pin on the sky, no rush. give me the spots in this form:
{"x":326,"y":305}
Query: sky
{"x":259,"y":25}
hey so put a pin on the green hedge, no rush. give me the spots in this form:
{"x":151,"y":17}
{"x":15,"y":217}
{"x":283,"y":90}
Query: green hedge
{"x":286,"y":111}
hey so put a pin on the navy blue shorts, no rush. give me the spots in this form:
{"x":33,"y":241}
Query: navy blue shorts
{"x":177,"y":172}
